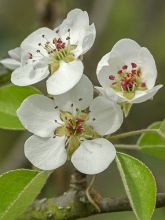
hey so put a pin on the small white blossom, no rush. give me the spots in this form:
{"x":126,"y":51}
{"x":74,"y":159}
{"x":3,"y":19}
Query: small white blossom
{"x":56,"y":53}
{"x":71,"y":126}
{"x":128,"y":73}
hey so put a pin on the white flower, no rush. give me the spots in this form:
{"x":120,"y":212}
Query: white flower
{"x":15,"y":59}
{"x":128,"y":73}
{"x":70,"y":126}
{"x":56,"y":53}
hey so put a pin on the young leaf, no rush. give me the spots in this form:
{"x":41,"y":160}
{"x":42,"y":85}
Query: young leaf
{"x":10,"y":99}
{"x":18,"y":189}
{"x":153,"y":143}
{"x":139,"y":184}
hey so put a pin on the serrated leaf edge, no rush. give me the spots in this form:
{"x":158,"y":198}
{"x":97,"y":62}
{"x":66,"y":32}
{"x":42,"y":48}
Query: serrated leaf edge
{"x":126,"y":185}
{"x":19,"y":195}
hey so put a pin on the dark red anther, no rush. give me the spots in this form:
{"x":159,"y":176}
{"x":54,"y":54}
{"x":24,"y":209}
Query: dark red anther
{"x":69,"y":126}
{"x":111,"y":77}
{"x":79,"y":120}
{"x":59,"y":43}
{"x":138,"y":72}
{"x":129,"y":75}
{"x":30,"y":56}
{"x":134,"y":65}
{"x":133,"y":71}
{"x":124,"y":84}
{"x":143,"y":84}
{"x":79,"y":129}
{"x":124,"y":67}
{"x":120,"y":72}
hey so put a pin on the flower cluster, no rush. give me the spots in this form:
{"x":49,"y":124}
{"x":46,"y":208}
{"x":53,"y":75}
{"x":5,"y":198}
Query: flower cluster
{"x":69,"y":123}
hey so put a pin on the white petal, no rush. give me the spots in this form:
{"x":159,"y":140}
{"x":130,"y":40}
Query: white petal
{"x":76,"y":19}
{"x":110,"y":94}
{"x":146,"y":95}
{"x":105,"y":116}
{"x":65,"y":78}
{"x":85,"y":40}
{"x":46,"y":153}
{"x":27,"y":75}
{"x":79,"y":97}
{"x":93,"y":156}
{"x":128,"y":49}
{"x":103,"y":62}
{"x":110,"y":64}
{"x":81,"y":33}
{"x":40,"y":36}
{"x":10,"y":63}
{"x":148,"y":67}
{"x":15,"y":53}
{"x":89,"y":38}
{"x":37,"y":113}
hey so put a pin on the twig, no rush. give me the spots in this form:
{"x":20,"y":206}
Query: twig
{"x":126,"y":146}
{"x":130,"y":133}
{"x":72,"y":206}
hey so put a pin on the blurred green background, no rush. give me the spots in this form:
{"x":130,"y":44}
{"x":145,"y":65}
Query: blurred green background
{"x":141,"y":20}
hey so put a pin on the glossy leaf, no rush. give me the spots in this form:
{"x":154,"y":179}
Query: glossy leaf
{"x":139,"y":184}
{"x":18,"y":189}
{"x":10,"y":99}
{"x":153,"y":143}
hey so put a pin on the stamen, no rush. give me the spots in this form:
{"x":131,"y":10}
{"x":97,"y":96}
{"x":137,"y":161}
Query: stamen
{"x":134,"y":65}
{"x":120,"y":72}
{"x":80,"y":99}
{"x":143,"y":84}
{"x":124,"y":67}
{"x":30,"y":56}
{"x":58,"y":122}
{"x":111,"y":77}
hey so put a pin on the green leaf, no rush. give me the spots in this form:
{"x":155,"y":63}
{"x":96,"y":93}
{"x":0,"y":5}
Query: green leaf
{"x":10,"y":99}
{"x":5,"y":77}
{"x":18,"y":189}
{"x":153,"y":143}
{"x":139,"y":184}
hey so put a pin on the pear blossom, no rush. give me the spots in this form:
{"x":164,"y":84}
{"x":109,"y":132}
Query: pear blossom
{"x":128,"y":73}
{"x":55,"y":53}
{"x":70,"y":126}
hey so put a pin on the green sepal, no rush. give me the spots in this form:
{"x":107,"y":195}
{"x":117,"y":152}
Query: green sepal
{"x":53,"y":67}
{"x":73,"y":144}
{"x":90,"y":133}
{"x":126,"y":108}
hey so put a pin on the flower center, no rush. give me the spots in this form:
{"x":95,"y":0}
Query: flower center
{"x":57,"y":50}
{"x":128,"y":80}
{"x":75,"y":126}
